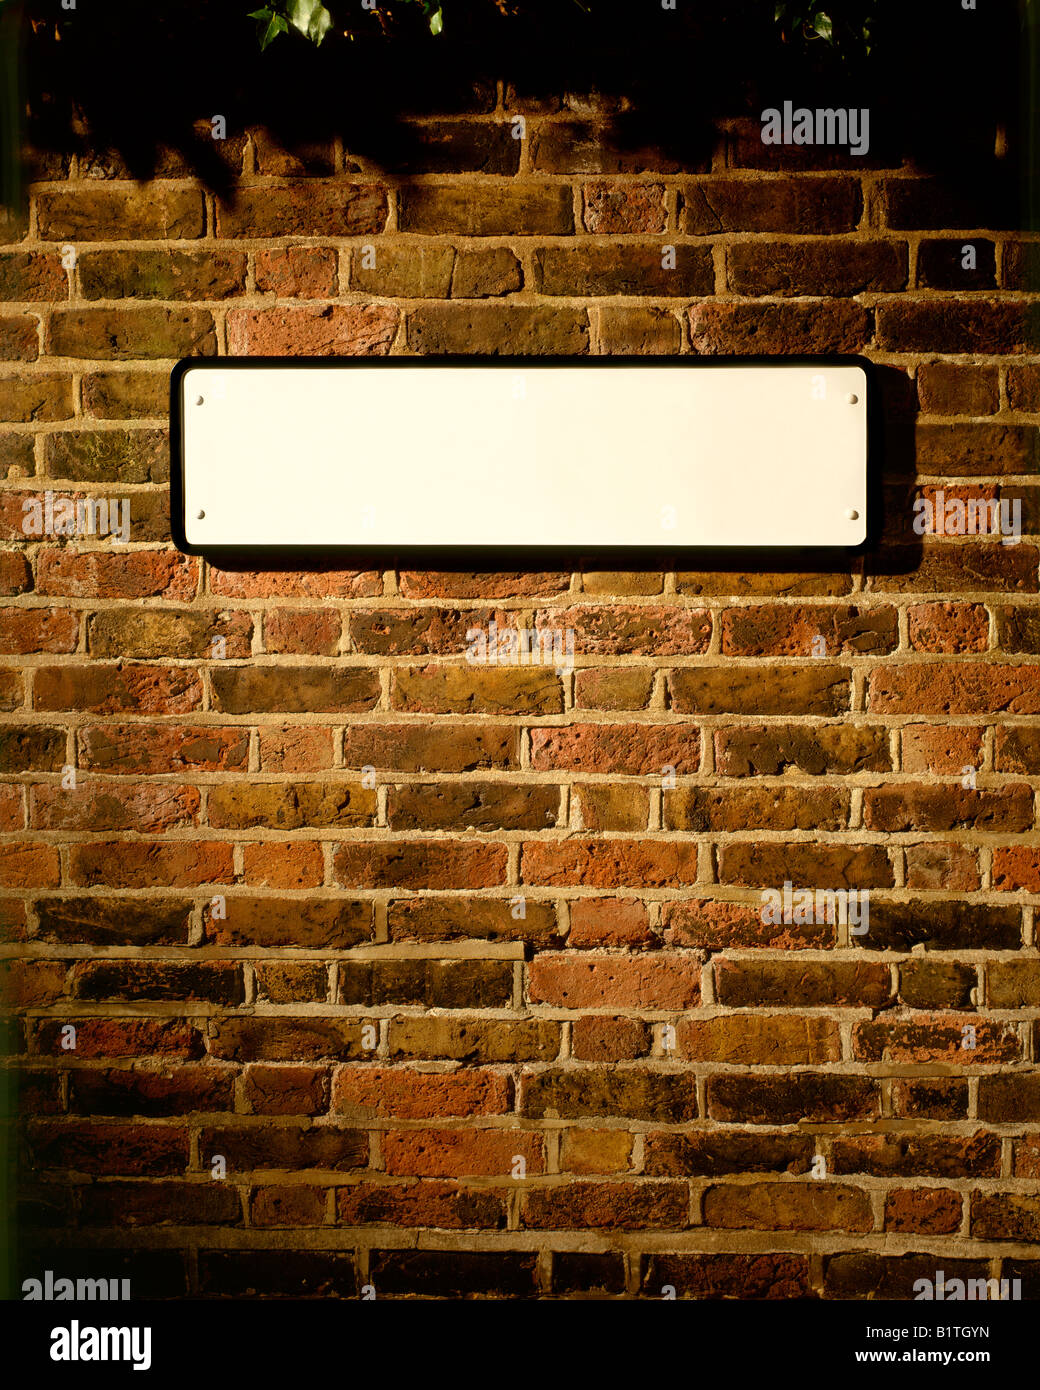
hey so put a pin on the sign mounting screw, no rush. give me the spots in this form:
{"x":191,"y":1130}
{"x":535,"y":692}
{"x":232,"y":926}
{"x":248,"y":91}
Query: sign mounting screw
{"x":201,"y":515}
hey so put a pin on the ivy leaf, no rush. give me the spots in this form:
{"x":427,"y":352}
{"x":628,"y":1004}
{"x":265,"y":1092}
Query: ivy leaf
{"x":824,"y":26}
{"x":311,"y":18}
{"x":271,"y":26}
{"x":436,"y":21}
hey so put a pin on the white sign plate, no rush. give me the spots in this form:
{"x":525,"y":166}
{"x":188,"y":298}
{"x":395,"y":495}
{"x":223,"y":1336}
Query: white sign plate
{"x":483,"y":452}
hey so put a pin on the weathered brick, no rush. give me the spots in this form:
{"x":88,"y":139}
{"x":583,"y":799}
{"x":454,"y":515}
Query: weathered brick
{"x":37,"y":398}
{"x":842,"y":866}
{"x":946,"y":324}
{"x":290,"y":805}
{"x":621,"y":1206}
{"x":613,"y":208}
{"x":336,"y":330}
{"x":667,"y":1097}
{"x":774,"y":749}
{"x":296,"y":272}
{"x":472,"y":690}
{"x":623,"y":269}
{"x":788,"y":1207}
{"x":848,"y":983}
{"x":816,"y":689}
{"x":169,"y":274}
{"x":494,"y":329}
{"x":787,"y":631}
{"x":334,"y":208}
{"x":368,"y":1092}
{"x":822,"y":326}
{"x":472,"y":806}
{"x":308,"y":924}
{"x":760,"y":1040}
{"x":460,"y":1040}
{"x":610,"y":863}
{"x":126,"y":334}
{"x":652,"y":981}
{"x":420,"y":864}
{"x":945,"y":389}
{"x":815,"y":267}
{"x":502,"y":210}
{"x":816,"y":205}
{"x":294,"y":689}
{"x":630,"y":749}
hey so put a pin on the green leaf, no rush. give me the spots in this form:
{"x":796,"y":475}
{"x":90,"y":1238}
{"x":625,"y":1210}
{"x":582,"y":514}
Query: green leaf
{"x":311,"y":18}
{"x":436,"y":21}
{"x":271,"y":25}
{"x":824,"y":26}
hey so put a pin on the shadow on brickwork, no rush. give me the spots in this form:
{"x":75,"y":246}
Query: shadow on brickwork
{"x":136,"y":80}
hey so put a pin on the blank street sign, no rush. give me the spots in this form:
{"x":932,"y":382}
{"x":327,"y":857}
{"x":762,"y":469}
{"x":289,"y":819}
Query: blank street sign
{"x":519,"y":452}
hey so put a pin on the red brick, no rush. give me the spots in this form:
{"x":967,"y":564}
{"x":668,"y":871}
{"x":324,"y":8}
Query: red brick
{"x":128,"y":1150}
{"x":319,"y":582}
{"x":948,"y":688}
{"x":1016,"y":867}
{"x":788,"y":631}
{"x":598,"y":1039}
{"x":136,"y":574}
{"x":609,"y":922}
{"x":287,"y":1090}
{"x":624,"y":1206}
{"x":288,"y":1206}
{"x":369,"y":1092}
{"x":140,"y":864}
{"x":297,"y":272}
{"x":629,"y":749}
{"x":610,"y":863}
{"x":315,"y":632}
{"x":814,"y":1206}
{"x":948,"y":628}
{"x":29,"y":866}
{"x":121,"y":1037}
{"x":445,"y":1205}
{"x":312,"y":208}
{"x":295,"y":748}
{"x":820,"y":326}
{"x":651,"y":981}
{"x":34,"y":630}
{"x":936,"y":1039}
{"x":100,"y":805}
{"x":942,"y":749}
{"x":337,"y":330}
{"x":419,"y":864}
{"x":460,"y":1152}
{"x":270,"y":865}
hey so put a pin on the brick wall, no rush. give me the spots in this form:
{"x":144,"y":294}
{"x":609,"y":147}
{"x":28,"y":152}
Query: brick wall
{"x":197,"y":874}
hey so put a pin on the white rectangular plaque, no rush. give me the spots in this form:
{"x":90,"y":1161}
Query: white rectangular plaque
{"x":486,"y":452}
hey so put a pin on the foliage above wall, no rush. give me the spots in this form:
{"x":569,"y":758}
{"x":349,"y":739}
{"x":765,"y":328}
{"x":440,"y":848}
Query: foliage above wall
{"x":847,"y":27}
{"x":136,"y":79}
